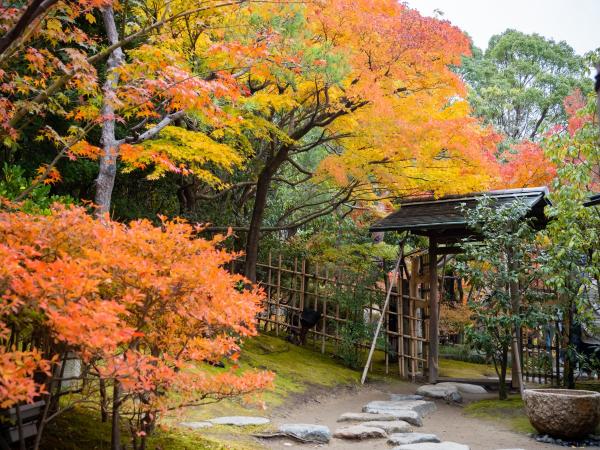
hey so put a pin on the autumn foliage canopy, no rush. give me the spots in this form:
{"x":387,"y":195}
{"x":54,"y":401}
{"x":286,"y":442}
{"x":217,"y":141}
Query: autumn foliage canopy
{"x":137,"y":303}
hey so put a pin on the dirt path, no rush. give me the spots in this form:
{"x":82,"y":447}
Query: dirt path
{"x":449,"y":422}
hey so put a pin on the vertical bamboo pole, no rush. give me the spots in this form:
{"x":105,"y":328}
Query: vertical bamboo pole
{"x":433,"y":311}
{"x":414,"y":271}
{"x":278,"y":291}
{"x":269,"y":296}
{"x":400,"y":325}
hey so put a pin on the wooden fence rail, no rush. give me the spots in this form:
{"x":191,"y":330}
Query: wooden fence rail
{"x":344,"y":303}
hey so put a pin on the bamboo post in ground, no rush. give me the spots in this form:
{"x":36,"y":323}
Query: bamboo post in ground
{"x":433,"y":312}
{"x":380,"y":323}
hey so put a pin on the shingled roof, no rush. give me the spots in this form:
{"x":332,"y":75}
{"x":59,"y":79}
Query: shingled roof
{"x":594,"y":200}
{"x":429,"y":216}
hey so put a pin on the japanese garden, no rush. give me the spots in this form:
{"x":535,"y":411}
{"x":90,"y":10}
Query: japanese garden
{"x":252,"y":224}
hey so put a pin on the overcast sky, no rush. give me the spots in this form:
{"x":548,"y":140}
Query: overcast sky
{"x":574,"y":21}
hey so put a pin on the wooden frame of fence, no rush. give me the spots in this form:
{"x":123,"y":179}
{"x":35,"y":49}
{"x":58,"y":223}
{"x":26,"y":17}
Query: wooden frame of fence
{"x":292,"y":286}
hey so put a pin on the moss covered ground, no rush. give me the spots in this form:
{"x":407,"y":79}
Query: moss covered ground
{"x":298,"y":371}
{"x":510,"y":412}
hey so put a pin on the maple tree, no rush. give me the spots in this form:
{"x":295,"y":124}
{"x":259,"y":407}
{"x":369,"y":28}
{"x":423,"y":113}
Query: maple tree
{"x":143,"y":307}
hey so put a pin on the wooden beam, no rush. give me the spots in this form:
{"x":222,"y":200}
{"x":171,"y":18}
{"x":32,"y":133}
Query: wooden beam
{"x":433,"y":312}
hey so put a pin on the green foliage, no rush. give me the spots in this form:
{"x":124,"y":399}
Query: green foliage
{"x":518,"y":84}
{"x":13,"y":181}
{"x":507,"y":254}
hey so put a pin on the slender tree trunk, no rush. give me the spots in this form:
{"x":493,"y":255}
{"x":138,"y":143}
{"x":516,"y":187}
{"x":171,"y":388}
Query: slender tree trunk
{"x":110,"y":146}
{"x":115,"y":438}
{"x":258,"y":211}
{"x":103,"y":401}
{"x":569,"y":365}
{"x":502,"y":391}
{"x":515,"y":298}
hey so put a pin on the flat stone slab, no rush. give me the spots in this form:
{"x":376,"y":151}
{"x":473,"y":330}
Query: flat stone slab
{"x":407,"y":415}
{"x":239,"y":421}
{"x":365,"y":417}
{"x":447,"y":445}
{"x":391,"y":426}
{"x":465,"y":388}
{"x":411,"y":438}
{"x":421,"y":407}
{"x":359,"y":432}
{"x":307,"y":432}
{"x":404,"y":397}
{"x":196,"y":425}
{"x":437,"y":390}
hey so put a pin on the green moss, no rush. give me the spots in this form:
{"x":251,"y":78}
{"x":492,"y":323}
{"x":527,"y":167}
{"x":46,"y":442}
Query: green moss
{"x":82,"y":429}
{"x":511,"y":412}
{"x":462,"y":369}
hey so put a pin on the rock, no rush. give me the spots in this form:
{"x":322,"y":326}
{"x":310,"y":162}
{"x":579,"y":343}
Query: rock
{"x":196,"y":425}
{"x":436,"y":391}
{"x":411,"y":438}
{"x":465,"y":388}
{"x":563,"y":413}
{"x":433,"y":446}
{"x":239,"y":421}
{"x":411,"y":417}
{"x":454,"y":397}
{"x":421,"y":407}
{"x":392,"y":426}
{"x":365,"y":417}
{"x":404,"y":397}
{"x":307,"y":432}
{"x":359,"y":432}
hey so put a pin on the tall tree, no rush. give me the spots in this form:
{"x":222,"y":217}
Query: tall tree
{"x":518,"y":84}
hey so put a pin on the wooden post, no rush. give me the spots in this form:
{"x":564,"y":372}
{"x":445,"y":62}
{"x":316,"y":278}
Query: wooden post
{"x":269,"y":297}
{"x":278,"y":292}
{"x":433,"y":312}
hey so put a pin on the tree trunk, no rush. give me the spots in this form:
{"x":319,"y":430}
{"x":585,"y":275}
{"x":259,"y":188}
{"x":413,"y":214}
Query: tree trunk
{"x":515,"y":299}
{"x":110,"y":146}
{"x":103,"y":401}
{"x":502,"y":391}
{"x":260,"y":202}
{"x":569,"y":365}
{"x":115,"y":437}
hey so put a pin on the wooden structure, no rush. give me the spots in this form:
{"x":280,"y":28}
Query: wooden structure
{"x":292,"y":286}
{"x":593,"y":201}
{"x":444,"y":224}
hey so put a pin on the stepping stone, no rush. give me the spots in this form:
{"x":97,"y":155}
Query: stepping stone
{"x":359,"y":432}
{"x":437,"y":391}
{"x":409,"y":416}
{"x":365,"y":417}
{"x":411,"y":438}
{"x":404,"y":397}
{"x":306,"y":432}
{"x":433,"y":446}
{"x":421,"y":407}
{"x":465,"y":388}
{"x":392,"y":426}
{"x":239,"y":421}
{"x":196,"y":425}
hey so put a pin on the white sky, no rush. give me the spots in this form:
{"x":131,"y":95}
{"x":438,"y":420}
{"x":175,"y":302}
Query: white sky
{"x":574,"y":21}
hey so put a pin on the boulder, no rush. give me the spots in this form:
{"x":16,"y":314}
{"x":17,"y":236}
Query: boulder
{"x":421,"y":407}
{"x":465,"y":388}
{"x":433,"y":446}
{"x":391,"y":426}
{"x":239,"y":421}
{"x":359,"y":432}
{"x":306,"y":432}
{"x":365,"y":417}
{"x":411,"y":438}
{"x":196,"y":425}
{"x":563,"y":413}
{"x":408,"y":416}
